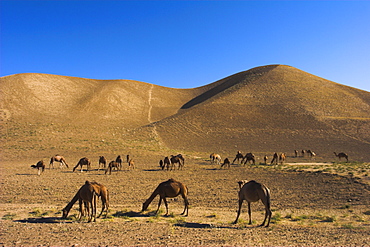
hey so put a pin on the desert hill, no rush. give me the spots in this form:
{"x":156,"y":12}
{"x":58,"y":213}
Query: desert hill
{"x":265,"y":109}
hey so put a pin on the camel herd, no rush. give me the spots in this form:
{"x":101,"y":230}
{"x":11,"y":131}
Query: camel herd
{"x":90,"y":192}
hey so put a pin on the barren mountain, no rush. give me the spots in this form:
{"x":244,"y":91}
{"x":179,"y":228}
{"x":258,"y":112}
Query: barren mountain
{"x":265,"y":109}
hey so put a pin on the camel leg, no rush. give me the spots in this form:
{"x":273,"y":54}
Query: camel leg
{"x":268,"y":214}
{"x":159,"y":205}
{"x":186,"y":208}
{"x":166,"y":204}
{"x":239,"y":210}
{"x":250,"y":213}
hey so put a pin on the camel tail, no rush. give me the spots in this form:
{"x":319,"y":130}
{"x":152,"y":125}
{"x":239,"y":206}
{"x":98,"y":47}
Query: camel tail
{"x":268,"y":197}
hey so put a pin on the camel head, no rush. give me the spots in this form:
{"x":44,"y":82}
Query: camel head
{"x":65,"y":213}
{"x":145,"y":206}
{"x":241,"y":183}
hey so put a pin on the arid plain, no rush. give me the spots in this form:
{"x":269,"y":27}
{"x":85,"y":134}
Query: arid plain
{"x":314,"y":201}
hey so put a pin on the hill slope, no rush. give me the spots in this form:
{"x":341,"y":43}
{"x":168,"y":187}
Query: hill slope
{"x":265,"y":109}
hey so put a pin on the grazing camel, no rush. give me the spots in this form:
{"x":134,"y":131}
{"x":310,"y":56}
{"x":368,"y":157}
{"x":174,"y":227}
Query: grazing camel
{"x":119,"y":161}
{"x":341,"y":155}
{"x":59,"y":159}
{"x":166,"y":163}
{"x":275,"y":158}
{"x":239,"y":156}
{"x":102,"y":192}
{"x":282,"y":158}
{"x":215,"y":158}
{"x":131,"y":164}
{"x":85,"y":195}
{"x":295,"y":153}
{"x":170,"y":188}
{"x":174,"y":160}
{"x":83,"y":162}
{"x":102,"y":162}
{"x":253,"y":191}
{"x":265,"y":158}
{"x":161,"y":164}
{"x":226,"y":163}
{"x":249,"y":157}
{"x":111,"y":165}
{"x":40,"y":167}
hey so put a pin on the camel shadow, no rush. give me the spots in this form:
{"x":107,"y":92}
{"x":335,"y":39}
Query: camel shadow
{"x":129,"y":214}
{"x":49,"y":220}
{"x":26,"y":174}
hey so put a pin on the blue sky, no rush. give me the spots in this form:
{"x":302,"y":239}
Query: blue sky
{"x":185,"y":44}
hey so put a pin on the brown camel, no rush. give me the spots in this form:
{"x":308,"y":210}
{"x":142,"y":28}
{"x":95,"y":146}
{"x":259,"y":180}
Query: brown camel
{"x":252,"y":192}
{"x":131,"y":164}
{"x":112,"y":165}
{"x":170,"y":188}
{"x":166,"y":163}
{"x":295,"y":153}
{"x":303,"y":152}
{"x":174,"y":160}
{"x":161,"y":164}
{"x":59,"y":159}
{"x":86,"y":195}
{"x":83,"y":162}
{"x":341,"y":155}
{"x":102,"y":192}
{"x":239,"y":156}
{"x":249,"y":157}
{"x":102,"y":162}
{"x":226,"y":163}
{"x":119,"y":161}
{"x":40,"y":167}
{"x":265,"y":158}
{"x":215,"y":158}
{"x":275,"y":158}
{"x":282,"y":158}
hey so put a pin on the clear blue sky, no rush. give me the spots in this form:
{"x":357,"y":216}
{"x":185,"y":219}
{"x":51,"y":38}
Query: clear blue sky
{"x":185,"y":44}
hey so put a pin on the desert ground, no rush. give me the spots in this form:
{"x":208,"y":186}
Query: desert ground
{"x":311,"y":206}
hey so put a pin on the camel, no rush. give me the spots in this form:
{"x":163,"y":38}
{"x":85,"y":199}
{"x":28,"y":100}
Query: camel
{"x":59,"y":159}
{"x":215,"y":158}
{"x":253,"y":191}
{"x":303,"y":152}
{"x":83,"y":162}
{"x":282,"y":158}
{"x":174,"y":160}
{"x":181,"y":158}
{"x":131,"y":164}
{"x":226,"y":163}
{"x":127,"y":158}
{"x":86,"y":195}
{"x":296,"y":153}
{"x":40,"y":167}
{"x":341,"y":155}
{"x":249,"y":157}
{"x":111,"y":165}
{"x":102,"y":192}
{"x":119,"y":161}
{"x":265,"y":158}
{"x":170,"y":188}
{"x":238,"y":156}
{"x":275,"y":159}
{"x":102,"y":162}
{"x":166,"y":163}
{"x":161,"y":164}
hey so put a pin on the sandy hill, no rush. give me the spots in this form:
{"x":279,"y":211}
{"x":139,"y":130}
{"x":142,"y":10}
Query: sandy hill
{"x":265,"y":109}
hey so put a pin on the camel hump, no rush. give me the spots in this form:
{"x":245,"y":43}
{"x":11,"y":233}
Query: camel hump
{"x":171,"y":180}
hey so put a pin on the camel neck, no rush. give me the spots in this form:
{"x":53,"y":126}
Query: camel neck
{"x":71,"y":203}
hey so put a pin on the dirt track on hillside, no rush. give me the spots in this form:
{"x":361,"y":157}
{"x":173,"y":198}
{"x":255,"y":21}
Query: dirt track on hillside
{"x":308,"y":208}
